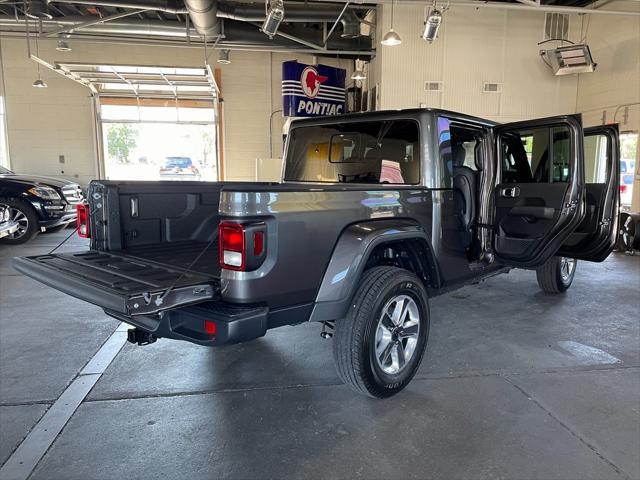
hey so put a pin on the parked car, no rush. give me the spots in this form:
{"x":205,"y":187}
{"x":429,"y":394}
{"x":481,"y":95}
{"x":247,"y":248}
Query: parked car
{"x":627,"y":171}
{"x":37,"y":204}
{"x":179,"y":168}
{"x":377,"y":212}
{"x":7,"y":226}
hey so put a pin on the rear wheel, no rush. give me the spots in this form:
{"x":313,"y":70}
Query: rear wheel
{"x":379,"y":345}
{"x":24,"y":214}
{"x":556,"y":275}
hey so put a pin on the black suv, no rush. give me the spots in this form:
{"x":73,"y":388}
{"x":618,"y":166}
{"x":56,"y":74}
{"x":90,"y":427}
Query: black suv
{"x":37,"y":203}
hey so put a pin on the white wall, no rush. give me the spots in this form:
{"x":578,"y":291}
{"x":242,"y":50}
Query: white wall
{"x":474,"y":46}
{"x":46,"y":123}
{"x":612,"y":93}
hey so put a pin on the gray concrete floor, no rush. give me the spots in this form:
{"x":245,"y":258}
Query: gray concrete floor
{"x":515,"y":384}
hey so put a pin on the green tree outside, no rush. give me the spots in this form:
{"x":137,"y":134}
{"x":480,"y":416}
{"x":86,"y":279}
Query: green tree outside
{"x":121,"y":139}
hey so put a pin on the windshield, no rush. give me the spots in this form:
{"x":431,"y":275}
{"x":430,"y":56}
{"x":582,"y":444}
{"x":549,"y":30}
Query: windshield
{"x":355,"y":152}
{"x":5,"y":171}
{"x":180,"y":162}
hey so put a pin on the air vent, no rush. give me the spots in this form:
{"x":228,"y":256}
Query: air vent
{"x":491,"y":87}
{"x":433,"y":86}
{"x":556,"y":26}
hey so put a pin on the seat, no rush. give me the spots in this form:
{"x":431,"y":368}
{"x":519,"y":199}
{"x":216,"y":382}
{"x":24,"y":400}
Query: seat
{"x":465,"y":182}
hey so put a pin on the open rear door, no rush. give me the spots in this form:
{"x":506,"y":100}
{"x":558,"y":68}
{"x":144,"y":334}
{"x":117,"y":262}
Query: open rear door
{"x":538,"y":200}
{"x":595,"y":237}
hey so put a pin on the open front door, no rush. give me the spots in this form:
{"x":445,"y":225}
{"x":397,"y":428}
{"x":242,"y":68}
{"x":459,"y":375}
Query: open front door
{"x":538,"y":200}
{"x":595,"y":237}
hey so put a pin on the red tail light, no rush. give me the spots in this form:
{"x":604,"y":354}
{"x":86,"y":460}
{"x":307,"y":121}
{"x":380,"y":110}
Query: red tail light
{"x":242,"y":245}
{"x":233,"y":254}
{"x":82,"y":220}
{"x":623,"y":189}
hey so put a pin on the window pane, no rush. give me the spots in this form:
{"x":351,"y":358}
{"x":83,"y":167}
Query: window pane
{"x":355,"y":152}
{"x":525,"y":156}
{"x":595,"y":158}
{"x":561,"y":154}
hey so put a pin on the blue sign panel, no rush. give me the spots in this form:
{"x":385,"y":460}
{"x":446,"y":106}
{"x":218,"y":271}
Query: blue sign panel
{"x":312,"y":90}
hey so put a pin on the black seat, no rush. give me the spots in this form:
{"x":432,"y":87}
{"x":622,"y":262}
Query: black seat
{"x":465,"y":181}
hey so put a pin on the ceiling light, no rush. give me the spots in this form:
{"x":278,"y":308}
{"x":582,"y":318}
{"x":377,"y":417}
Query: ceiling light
{"x":431,"y":25}
{"x":275,"y":15}
{"x":223,"y":57}
{"x":39,"y":83}
{"x":391,"y":38}
{"x":571,"y":59}
{"x":63,"y":46}
{"x":358,"y":75}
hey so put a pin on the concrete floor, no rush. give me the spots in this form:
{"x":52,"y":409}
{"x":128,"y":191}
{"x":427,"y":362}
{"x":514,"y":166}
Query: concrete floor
{"x":515,"y":384}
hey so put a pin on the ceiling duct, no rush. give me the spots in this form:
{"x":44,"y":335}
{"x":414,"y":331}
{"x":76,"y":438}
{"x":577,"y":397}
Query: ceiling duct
{"x":168,"y":6}
{"x":204,"y":16}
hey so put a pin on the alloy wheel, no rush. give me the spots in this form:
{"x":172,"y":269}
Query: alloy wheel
{"x":567,"y":266}
{"x":18,"y":216}
{"x":397,"y":334}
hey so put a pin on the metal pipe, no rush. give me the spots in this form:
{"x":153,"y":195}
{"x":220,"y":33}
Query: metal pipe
{"x":90,"y":23}
{"x":157,"y":5}
{"x":203,"y":14}
{"x":515,"y":6}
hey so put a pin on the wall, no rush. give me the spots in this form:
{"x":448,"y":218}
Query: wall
{"x":612,"y":93}
{"x":46,"y":123}
{"x":474,"y":46}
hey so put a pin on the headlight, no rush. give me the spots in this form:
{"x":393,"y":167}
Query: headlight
{"x":46,"y":193}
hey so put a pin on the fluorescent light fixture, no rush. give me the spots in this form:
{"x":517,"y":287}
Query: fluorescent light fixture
{"x":432,"y":25}
{"x":274,"y":17}
{"x":570,"y":60}
{"x":223,"y":57}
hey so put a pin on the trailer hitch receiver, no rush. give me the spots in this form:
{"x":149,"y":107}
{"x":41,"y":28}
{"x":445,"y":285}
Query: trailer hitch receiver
{"x":140,"y":337}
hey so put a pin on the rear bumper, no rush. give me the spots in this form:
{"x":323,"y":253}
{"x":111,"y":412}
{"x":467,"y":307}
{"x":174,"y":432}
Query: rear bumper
{"x":234,"y":323}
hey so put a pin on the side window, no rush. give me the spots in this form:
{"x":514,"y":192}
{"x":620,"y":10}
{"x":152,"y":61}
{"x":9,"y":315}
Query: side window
{"x":596,"y":152}
{"x":538,"y":155}
{"x":460,"y":146}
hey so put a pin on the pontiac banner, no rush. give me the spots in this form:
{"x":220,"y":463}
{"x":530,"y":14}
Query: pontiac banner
{"x":312,"y":90}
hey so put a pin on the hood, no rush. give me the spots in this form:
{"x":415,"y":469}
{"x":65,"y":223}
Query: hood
{"x":36,"y":180}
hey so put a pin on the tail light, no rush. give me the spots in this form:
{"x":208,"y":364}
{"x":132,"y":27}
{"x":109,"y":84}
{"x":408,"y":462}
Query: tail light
{"x":623,"y":189}
{"x":82,"y":220}
{"x":242,"y":245}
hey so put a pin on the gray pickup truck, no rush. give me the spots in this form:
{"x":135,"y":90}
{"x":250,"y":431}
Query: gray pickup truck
{"x":376,"y":212}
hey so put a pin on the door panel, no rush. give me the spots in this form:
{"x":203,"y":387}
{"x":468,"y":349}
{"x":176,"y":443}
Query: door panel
{"x":539,"y":196}
{"x":595,"y":237}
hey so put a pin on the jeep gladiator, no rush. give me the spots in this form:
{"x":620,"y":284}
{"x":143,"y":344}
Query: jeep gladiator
{"x":376,"y":213}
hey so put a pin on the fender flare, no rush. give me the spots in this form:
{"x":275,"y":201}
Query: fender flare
{"x":349,"y":257}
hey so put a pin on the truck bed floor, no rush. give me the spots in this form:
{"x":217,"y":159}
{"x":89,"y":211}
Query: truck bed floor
{"x":180,"y":255}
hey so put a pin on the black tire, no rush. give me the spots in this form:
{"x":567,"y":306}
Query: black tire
{"x":28,"y":221}
{"x":556,"y":276}
{"x":354,"y":346}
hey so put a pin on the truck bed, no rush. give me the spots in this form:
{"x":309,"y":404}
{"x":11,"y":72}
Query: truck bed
{"x":180,"y":255}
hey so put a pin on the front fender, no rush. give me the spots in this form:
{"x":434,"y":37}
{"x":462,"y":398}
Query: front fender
{"x":349,"y":259}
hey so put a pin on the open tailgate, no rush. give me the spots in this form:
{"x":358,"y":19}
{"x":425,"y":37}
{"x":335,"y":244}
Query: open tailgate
{"x":117,"y":282}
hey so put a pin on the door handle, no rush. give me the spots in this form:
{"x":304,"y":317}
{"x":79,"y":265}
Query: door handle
{"x":510,"y":192}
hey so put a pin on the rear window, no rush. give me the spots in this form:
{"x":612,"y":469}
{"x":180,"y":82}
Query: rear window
{"x":180,"y":162}
{"x":386,"y":152}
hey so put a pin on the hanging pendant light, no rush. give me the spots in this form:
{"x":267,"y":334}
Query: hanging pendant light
{"x":39,"y":83}
{"x":358,"y":73}
{"x":391,"y":38}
